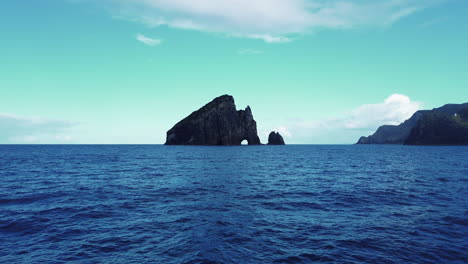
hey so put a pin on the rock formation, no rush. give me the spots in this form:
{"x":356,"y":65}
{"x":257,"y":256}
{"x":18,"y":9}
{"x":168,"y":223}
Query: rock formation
{"x":446,"y":125}
{"x":275,"y":139}
{"x":216,"y":123}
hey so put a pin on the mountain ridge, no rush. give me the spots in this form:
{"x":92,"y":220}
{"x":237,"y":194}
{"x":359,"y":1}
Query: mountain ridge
{"x":425,"y":127}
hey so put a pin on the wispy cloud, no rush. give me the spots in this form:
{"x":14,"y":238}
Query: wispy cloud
{"x":30,"y":129}
{"x":269,"y":38}
{"x":357,"y":122}
{"x":148,"y":41}
{"x":249,"y":52}
{"x":272,"y":21}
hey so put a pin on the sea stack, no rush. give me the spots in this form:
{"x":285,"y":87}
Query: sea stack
{"x":275,"y":139}
{"x":218,"y":123}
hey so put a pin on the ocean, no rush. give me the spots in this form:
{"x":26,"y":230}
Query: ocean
{"x":246,"y":204}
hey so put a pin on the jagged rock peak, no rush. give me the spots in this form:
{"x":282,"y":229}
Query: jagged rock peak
{"x":275,"y":139}
{"x":216,"y":123}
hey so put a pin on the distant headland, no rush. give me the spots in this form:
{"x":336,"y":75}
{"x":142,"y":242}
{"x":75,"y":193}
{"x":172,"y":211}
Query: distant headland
{"x":218,"y":123}
{"x":446,"y":125}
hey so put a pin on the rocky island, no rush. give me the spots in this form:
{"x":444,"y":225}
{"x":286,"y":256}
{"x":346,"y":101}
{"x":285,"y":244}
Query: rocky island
{"x":218,"y":123}
{"x":446,"y":125}
{"x":275,"y":139}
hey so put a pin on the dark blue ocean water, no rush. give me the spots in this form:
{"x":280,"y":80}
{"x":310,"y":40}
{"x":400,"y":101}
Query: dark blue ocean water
{"x":264,"y":204}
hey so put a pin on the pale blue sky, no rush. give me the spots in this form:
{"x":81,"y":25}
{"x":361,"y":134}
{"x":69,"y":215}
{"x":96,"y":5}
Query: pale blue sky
{"x":82,"y":71}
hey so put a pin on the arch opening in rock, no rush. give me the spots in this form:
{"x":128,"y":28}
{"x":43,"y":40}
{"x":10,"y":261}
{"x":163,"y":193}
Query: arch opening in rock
{"x":218,"y":123}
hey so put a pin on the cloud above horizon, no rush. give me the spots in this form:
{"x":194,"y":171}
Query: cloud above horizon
{"x":394,"y":110}
{"x":270,"y":20}
{"x":361,"y":121}
{"x":29,"y":129}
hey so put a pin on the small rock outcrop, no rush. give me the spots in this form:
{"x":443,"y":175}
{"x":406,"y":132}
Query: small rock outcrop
{"x":218,"y":123}
{"x":275,"y":139}
{"x":446,"y":125}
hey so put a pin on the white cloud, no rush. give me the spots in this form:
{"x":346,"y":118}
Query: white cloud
{"x":269,"y":38}
{"x":394,"y":110}
{"x":249,"y":52}
{"x":148,"y":41}
{"x":269,"y":20}
{"x":30,"y":129}
{"x":361,"y":121}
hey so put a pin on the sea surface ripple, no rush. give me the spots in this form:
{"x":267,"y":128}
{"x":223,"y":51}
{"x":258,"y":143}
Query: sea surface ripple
{"x":256,"y":204}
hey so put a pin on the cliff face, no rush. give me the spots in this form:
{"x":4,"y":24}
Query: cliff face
{"x":446,"y":125}
{"x":440,"y":129}
{"x":216,"y":123}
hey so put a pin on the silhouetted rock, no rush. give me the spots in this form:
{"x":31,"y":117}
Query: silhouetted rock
{"x":275,"y":139}
{"x":216,"y":123}
{"x":445,"y":125}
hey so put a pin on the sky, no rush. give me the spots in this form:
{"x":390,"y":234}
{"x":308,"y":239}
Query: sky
{"x":318,"y":71}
